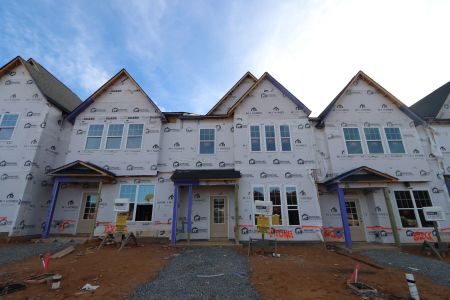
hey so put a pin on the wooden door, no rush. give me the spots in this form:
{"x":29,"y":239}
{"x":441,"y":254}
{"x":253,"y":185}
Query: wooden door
{"x":355,"y":220}
{"x":87,"y":214}
{"x":219,"y":217}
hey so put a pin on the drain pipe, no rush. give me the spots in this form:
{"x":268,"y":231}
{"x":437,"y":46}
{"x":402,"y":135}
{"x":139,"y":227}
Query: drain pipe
{"x":412,"y":286}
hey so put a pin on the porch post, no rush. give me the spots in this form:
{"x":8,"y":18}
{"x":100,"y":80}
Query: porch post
{"x":173,"y":240}
{"x":347,"y":235}
{"x":236,"y":214}
{"x":51,"y":207}
{"x":447,"y":183}
{"x":189,"y":214}
{"x":391,"y":217}
{"x":99,"y":199}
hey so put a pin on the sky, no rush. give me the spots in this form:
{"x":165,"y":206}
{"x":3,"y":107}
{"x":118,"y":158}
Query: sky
{"x":187,"y":54}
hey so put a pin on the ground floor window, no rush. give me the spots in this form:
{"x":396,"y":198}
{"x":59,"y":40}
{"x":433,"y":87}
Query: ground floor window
{"x":292,"y":205}
{"x":275,"y":198}
{"x":410,"y":207}
{"x":141,"y":198}
{"x":258,"y":194}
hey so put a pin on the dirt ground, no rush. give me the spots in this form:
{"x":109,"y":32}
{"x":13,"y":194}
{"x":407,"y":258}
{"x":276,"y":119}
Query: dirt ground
{"x":416,"y":250}
{"x":312,"y":272}
{"x":117,"y":273}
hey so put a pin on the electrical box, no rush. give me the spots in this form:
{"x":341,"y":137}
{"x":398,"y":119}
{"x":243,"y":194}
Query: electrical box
{"x":263,"y":208}
{"x":121,"y":205}
{"x":433,"y":213}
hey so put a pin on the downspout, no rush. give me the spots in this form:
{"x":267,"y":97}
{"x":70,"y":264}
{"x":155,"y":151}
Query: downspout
{"x":391,"y":217}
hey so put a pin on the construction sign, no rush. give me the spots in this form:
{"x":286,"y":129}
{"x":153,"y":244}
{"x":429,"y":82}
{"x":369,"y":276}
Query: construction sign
{"x":121,"y":222}
{"x":263,"y":224}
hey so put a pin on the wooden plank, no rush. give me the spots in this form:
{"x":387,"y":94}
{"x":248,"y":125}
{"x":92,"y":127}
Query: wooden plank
{"x":63,"y":252}
{"x":361,"y":260}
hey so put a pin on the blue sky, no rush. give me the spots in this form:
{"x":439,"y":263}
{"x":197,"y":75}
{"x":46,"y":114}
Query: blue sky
{"x":187,"y":54}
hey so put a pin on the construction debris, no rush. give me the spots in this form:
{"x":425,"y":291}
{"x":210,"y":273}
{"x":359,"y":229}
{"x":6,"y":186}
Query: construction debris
{"x":89,"y":287}
{"x":37,"y":279}
{"x":11,"y":288}
{"x":63,"y":252}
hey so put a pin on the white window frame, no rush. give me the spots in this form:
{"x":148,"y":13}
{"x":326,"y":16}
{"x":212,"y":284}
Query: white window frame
{"x":360,"y":140}
{"x":253,"y":198}
{"x":136,"y":195}
{"x":387,"y":141}
{"x":367,"y":140}
{"x":101,"y":138}
{"x":282,"y":203}
{"x":128,"y":135}
{"x":199,"y":141}
{"x":275,"y":137}
{"x":250,"y":138}
{"x":414,"y":208}
{"x":287,"y":205}
{"x":15,"y":126}
{"x":108,"y":136}
{"x":290,"y":138}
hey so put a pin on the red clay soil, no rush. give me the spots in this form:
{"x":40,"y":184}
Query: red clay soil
{"x":117,"y":273}
{"x":312,"y":272}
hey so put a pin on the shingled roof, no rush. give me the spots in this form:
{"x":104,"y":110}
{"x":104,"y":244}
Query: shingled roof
{"x":429,"y":106}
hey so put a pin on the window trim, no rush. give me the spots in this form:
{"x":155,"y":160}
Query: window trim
{"x":199,"y":141}
{"x":101,"y":138}
{"x":360,"y":140}
{"x":367,"y":140}
{"x":290,"y":138}
{"x":14,"y":129}
{"x":387,"y":141}
{"x":275,"y":138}
{"x":415,"y":209}
{"x":137,"y":185}
{"x":287,"y":205}
{"x":107,"y":136}
{"x":142,"y":136}
{"x":253,"y":186}
{"x":282,"y":203}
{"x":250,"y":137}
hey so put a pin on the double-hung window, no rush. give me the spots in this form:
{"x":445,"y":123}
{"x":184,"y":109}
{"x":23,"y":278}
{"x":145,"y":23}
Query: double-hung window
{"x":7,"y":124}
{"x":114,"y":138}
{"x":94,"y":137}
{"x":141,"y":199}
{"x":134,"y":138}
{"x":285,"y":137}
{"x":394,"y":139}
{"x":373,"y":139}
{"x":353,"y":140}
{"x":258,"y":194}
{"x":255,"y":138}
{"x":207,"y":141}
{"x":292,"y":205}
{"x":410,"y":208}
{"x":270,"y":138}
{"x":275,"y":197}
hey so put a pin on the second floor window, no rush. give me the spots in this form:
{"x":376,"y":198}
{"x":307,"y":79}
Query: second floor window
{"x":114,"y":138}
{"x":255,"y":138}
{"x":353,"y":140}
{"x":94,"y":138}
{"x":394,"y":139}
{"x":270,"y":138}
{"x":134,"y":139}
{"x":7,"y":124}
{"x":207,"y":141}
{"x":373,"y":139}
{"x":285,"y":137}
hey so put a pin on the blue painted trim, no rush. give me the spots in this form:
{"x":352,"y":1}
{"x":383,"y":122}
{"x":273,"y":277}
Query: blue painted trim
{"x":447,"y":182}
{"x":411,"y":114}
{"x":189,"y":219}
{"x":347,"y":235}
{"x":80,"y":108}
{"x":332,"y":187}
{"x":173,"y":239}
{"x":51,"y":207}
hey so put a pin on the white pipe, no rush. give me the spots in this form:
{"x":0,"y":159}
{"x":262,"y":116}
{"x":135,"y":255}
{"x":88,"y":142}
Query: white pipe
{"x":412,"y":286}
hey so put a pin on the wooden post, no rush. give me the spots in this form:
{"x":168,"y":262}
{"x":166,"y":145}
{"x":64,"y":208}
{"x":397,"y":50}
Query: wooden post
{"x":236,"y":214}
{"x":99,"y":199}
{"x":391,"y":217}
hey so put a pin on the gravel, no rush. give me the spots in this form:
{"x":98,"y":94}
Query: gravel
{"x":203,"y":273}
{"x":12,"y":253}
{"x":438,"y":271}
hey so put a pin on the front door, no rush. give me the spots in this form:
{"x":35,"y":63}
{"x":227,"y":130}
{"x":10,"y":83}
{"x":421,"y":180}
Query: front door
{"x":355,"y":220}
{"x":219,"y":217}
{"x":87,"y":214}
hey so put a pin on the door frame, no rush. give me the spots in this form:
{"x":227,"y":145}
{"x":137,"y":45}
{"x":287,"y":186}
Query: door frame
{"x":357,"y":201}
{"x":211,"y":217}
{"x":82,"y":208}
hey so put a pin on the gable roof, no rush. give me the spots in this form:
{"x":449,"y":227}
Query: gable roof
{"x":361,"y":75}
{"x":56,"y":92}
{"x":71,"y":118}
{"x":429,"y":106}
{"x":279,"y":86}
{"x":362,"y":174}
{"x":246,"y":75}
{"x":80,"y":168}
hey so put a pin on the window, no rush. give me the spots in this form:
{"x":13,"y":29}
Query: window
{"x":255,"y":138}
{"x":394,"y":139}
{"x":411,"y":212}
{"x":352,"y":213}
{"x":292,"y":206}
{"x":94,"y":137}
{"x":285,"y":138}
{"x":258,"y":194}
{"x":219,"y":211}
{"x":353,"y":141}
{"x":134,"y":138}
{"x":270,"y":138}
{"x":373,"y":139}
{"x":114,"y":138}
{"x":141,"y":200}
{"x":89,"y":207}
{"x":275,"y":197}
{"x":7,"y":124}
{"x":207,"y":141}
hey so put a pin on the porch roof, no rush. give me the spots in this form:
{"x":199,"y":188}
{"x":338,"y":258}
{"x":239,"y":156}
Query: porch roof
{"x":211,"y":174}
{"x":80,"y":168}
{"x":362,"y":174}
